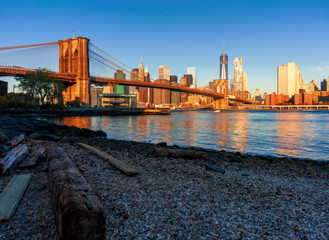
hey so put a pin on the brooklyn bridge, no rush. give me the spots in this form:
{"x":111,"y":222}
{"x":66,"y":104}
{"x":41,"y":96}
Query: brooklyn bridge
{"x":76,"y":56}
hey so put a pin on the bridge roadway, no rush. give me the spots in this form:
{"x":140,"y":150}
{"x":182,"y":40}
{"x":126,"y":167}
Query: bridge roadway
{"x":19,"y":71}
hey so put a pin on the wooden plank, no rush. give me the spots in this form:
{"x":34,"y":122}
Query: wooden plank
{"x":129,"y":171}
{"x":32,"y":159}
{"x":11,"y":195}
{"x":13,"y":158}
{"x":210,"y":167}
{"x":15,"y":141}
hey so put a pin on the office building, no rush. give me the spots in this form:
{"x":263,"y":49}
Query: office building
{"x":192,"y":71}
{"x":161,"y":96}
{"x":223,"y":67}
{"x":175,"y":96}
{"x":143,"y":91}
{"x":133,"y":77}
{"x":288,"y":79}
{"x":164,"y":72}
{"x":189,"y":79}
{"x":147,"y":75}
{"x":325,"y":85}
{"x":238,"y":74}
{"x":173,"y":78}
{"x":245,"y":82}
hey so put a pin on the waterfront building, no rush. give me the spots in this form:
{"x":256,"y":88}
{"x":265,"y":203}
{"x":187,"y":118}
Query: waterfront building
{"x":192,"y":71}
{"x":161,"y":96}
{"x":164,"y":72}
{"x":223,"y":67}
{"x":93,"y":95}
{"x":275,"y":99}
{"x":238,"y":74}
{"x":119,"y":74}
{"x":3,"y":88}
{"x":288,"y":79}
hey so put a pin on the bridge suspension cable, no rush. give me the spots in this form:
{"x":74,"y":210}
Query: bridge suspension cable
{"x":110,"y":56}
{"x":28,"y":46}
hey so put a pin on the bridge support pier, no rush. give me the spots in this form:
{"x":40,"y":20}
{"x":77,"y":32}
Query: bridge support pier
{"x":220,"y":104}
{"x":74,"y":59}
{"x":221,"y":86}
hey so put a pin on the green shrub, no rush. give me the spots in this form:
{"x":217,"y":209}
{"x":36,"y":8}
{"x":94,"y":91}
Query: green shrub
{"x":74,"y":104}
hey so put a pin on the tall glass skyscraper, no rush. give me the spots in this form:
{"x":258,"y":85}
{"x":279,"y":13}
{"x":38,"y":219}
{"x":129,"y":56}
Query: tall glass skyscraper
{"x":223,"y":67}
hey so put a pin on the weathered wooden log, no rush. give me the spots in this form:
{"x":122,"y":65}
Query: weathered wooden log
{"x":179,"y":153}
{"x":78,"y":211}
{"x":15,"y":141}
{"x":32,"y":159}
{"x":13,"y":157}
{"x":129,"y":171}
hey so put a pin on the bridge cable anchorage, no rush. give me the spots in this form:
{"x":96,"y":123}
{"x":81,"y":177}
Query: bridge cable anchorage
{"x":109,"y":61}
{"x":27,"y":46}
{"x":110,"y":56}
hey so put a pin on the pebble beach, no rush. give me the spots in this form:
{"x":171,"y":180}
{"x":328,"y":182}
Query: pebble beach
{"x":175,"y":198}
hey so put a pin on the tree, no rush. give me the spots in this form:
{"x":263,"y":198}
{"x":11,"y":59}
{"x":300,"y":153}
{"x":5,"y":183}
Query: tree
{"x":39,"y":84}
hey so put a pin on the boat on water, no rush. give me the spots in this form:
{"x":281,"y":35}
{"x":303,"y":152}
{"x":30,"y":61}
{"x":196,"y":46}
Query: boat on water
{"x":216,"y":111}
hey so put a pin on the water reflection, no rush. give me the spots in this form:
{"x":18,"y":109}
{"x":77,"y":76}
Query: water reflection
{"x":294,"y":134}
{"x":290,"y":129}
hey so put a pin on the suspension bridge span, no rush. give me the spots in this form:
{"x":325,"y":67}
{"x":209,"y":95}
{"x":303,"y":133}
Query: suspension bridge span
{"x":76,"y":62}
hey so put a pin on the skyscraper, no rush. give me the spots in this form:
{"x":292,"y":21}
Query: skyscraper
{"x":141,"y":72}
{"x":223,"y":67}
{"x":164,"y":72}
{"x":245,"y":82}
{"x":192,"y":71}
{"x":288,"y":79}
{"x":238,"y":74}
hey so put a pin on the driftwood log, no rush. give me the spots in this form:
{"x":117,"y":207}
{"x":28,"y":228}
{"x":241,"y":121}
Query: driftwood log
{"x":32,"y":159}
{"x":13,"y":157}
{"x":15,"y":141}
{"x":179,"y":153}
{"x":123,"y":167}
{"x":78,"y":211}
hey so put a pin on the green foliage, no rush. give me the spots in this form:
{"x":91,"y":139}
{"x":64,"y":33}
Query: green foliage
{"x":49,"y":105}
{"x":19,"y":104}
{"x":3,"y":101}
{"x":39,"y":84}
{"x":74,"y":104}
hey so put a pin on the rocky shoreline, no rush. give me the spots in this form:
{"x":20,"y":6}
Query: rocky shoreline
{"x":174,"y":198}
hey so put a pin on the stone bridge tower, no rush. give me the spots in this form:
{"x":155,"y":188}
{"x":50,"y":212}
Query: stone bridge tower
{"x":74,"y":59}
{"x":221,"y":86}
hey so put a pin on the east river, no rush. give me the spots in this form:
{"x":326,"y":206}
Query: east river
{"x":301,"y":134}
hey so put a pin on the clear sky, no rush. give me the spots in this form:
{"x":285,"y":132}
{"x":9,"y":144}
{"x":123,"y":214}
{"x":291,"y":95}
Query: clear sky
{"x":180,"y":33}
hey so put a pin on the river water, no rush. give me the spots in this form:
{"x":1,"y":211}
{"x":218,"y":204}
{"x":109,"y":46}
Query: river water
{"x":302,"y":134}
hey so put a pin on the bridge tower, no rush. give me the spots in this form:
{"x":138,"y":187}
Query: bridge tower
{"x":74,"y":59}
{"x":221,"y":86}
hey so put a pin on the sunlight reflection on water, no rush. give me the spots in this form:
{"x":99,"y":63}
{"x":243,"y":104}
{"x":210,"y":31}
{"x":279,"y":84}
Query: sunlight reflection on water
{"x":300,"y":134}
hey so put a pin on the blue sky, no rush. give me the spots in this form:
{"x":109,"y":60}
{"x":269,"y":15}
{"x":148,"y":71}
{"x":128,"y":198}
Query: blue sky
{"x":265,"y":33}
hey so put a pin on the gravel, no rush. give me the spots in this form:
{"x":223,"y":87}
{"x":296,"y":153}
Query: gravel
{"x":256,"y":198}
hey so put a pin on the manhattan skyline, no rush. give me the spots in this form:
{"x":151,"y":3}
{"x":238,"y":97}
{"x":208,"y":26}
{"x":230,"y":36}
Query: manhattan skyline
{"x":185,"y":33}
